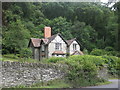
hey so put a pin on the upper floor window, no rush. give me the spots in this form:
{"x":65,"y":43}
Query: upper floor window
{"x":74,"y":46}
{"x":58,"y":46}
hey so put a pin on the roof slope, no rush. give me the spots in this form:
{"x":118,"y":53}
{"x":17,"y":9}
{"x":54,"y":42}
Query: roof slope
{"x":70,"y":41}
{"x":35,"y":41}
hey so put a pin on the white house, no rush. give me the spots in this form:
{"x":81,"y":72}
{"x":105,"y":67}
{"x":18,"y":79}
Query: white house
{"x":54,"y":45}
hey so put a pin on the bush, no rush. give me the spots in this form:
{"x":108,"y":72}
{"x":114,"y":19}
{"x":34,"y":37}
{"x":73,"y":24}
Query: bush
{"x":113,"y":63}
{"x":98,"y":52}
{"x":82,"y":69}
{"x":55,"y":59}
{"x":109,"y":49}
{"x":25,"y":53}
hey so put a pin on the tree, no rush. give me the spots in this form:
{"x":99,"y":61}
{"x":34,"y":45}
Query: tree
{"x":15,"y":36}
{"x":85,"y":34}
{"x":117,"y":12}
{"x":60,"y":25}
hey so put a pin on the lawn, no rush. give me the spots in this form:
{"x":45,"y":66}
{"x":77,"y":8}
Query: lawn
{"x":57,"y":83}
{"x":16,"y":58}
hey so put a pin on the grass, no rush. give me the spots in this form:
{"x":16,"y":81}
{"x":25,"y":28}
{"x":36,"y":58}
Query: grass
{"x":104,"y":83}
{"x":57,"y":83}
{"x":15,"y":58}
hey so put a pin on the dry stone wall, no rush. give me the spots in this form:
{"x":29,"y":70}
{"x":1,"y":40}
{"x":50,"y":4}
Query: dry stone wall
{"x":16,"y":73}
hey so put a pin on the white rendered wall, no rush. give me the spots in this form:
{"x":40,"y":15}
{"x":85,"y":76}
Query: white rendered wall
{"x":71,"y":47}
{"x":51,"y":46}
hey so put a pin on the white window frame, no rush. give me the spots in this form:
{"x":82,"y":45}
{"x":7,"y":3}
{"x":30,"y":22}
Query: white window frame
{"x":58,"y":46}
{"x":74,"y":46}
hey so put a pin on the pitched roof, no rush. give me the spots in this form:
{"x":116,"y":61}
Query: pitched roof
{"x":36,"y":42}
{"x":51,"y":38}
{"x":48,"y":40}
{"x":70,"y":41}
{"x":78,"y":53}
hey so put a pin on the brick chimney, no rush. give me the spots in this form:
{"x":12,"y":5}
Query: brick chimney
{"x":47,"y":32}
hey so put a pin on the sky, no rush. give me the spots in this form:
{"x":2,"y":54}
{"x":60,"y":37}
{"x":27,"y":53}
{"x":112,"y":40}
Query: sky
{"x":104,"y":1}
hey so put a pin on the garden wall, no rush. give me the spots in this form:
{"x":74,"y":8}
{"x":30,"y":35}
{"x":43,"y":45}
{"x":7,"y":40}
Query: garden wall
{"x":16,"y":73}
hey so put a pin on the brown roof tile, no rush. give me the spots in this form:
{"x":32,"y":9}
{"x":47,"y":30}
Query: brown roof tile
{"x":36,"y":42}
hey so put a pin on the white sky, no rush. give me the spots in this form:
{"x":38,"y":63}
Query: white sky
{"x":104,"y":1}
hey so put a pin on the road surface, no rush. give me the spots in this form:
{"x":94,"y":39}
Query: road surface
{"x":115,"y":83}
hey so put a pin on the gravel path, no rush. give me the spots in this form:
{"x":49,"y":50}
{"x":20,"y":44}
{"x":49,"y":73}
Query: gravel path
{"x":115,"y":84}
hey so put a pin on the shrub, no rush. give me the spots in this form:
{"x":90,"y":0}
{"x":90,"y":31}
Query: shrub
{"x":55,"y":59}
{"x":107,"y":51}
{"x":98,"y":52}
{"x":25,"y":53}
{"x":82,"y":69}
{"x":5,"y":51}
{"x":109,"y":48}
{"x":85,"y":51}
{"x":113,"y":63}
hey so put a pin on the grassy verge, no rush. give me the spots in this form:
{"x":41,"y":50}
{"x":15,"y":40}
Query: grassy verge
{"x":57,"y":83}
{"x":104,"y":83}
{"x":15,"y":58}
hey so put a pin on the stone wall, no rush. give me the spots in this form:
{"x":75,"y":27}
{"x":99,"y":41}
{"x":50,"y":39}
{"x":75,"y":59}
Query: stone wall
{"x":16,"y":73}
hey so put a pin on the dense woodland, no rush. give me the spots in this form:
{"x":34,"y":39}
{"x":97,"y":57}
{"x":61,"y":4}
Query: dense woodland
{"x":95,"y":25}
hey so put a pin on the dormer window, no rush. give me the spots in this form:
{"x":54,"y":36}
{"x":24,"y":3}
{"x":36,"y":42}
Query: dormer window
{"x":58,"y":46}
{"x":74,"y":46}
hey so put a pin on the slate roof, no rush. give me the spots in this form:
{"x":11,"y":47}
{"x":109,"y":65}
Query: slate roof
{"x":35,"y":41}
{"x":70,"y":41}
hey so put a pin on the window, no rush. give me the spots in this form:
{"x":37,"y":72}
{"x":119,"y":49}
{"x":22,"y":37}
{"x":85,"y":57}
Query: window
{"x":43,"y":48}
{"x":74,"y":46}
{"x":58,"y":46}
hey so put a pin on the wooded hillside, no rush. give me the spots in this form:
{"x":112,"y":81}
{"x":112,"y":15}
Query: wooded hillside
{"x":93,"y":24}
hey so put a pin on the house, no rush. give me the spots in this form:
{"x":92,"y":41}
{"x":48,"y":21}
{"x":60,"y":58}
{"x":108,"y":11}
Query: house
{"x":53,"y":45}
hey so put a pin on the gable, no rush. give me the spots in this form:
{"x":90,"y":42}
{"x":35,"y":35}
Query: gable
{"x":78,"y":53}
{"x":35,"y":42}
{"x":74,"y":42}
{"x":57,"y":38}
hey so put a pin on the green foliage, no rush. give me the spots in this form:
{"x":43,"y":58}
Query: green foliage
{"x":113,"y":63}
{"x":55,"y":59}
{"x":15,"y":37}
{"x":85,"y":34}
{"x":98,"y":52}
{"x":11,"y":56}
{"x":56,"y":83}
{"x":93,"y":24}
{"x":82,"y":69}
{"x":109,"y":49}
{"x":106,"y":51}
{"x":61,"y":25}
{"x":25,"y":53}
